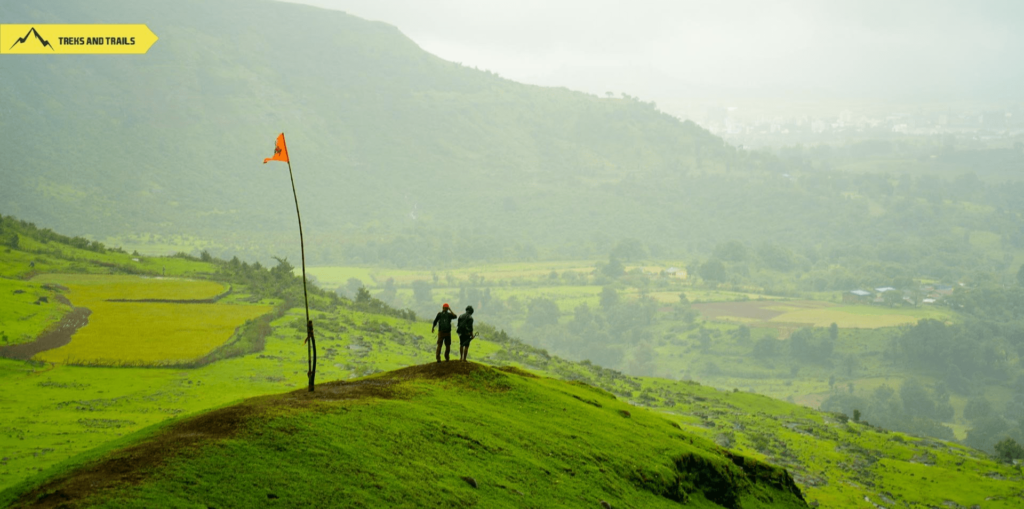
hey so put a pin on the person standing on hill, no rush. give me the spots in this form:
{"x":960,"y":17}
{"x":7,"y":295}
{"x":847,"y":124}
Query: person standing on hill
{"x":443,"y":324}
{"x":465,"y":331}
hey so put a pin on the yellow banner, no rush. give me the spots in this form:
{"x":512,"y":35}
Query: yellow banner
{"x":75,"y":39}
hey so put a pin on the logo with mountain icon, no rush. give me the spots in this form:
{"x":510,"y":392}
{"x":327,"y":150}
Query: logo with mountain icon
{"x":32,"y":31}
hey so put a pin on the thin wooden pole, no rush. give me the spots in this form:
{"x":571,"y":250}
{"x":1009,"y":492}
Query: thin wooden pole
{"x":310,"y":339}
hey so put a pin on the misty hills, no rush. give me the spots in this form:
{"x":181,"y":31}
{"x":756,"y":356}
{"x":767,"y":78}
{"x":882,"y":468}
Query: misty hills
{"x":379,"y":130}
{"x":399,"y":156}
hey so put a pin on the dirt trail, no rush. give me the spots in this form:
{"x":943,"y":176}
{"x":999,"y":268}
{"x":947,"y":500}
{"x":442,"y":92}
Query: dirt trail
{"x":54,"y":337}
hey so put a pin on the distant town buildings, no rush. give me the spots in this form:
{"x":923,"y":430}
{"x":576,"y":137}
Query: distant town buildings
{"x":750,"y":128}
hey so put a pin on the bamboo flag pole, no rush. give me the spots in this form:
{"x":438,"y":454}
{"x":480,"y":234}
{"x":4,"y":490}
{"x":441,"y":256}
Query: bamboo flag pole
{"x":281,"y":154}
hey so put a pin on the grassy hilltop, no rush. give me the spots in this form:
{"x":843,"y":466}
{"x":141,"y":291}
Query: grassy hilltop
{"x":448,"y":434}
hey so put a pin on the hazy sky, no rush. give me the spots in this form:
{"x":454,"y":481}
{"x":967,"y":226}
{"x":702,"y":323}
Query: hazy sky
{"x":898,"y":50}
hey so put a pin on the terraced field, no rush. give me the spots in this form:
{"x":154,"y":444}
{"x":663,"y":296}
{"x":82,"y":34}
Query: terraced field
{"x":146,"y":321}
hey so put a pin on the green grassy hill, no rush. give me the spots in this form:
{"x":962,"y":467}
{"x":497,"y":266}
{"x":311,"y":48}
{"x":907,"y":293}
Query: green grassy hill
{"x":448,"y":434}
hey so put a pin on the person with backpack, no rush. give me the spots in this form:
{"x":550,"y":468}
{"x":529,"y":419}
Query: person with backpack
{"x":465,"y":331}
{"x":443,"y":324}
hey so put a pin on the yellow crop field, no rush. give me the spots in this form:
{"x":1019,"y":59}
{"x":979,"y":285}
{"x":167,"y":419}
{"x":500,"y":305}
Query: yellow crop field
{"x":146,"y":332}
{"x":96,"y":287}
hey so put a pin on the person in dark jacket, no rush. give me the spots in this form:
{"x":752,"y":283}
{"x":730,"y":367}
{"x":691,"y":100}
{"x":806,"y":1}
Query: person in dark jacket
{"x":465,"y":330}
{"x":443,"y":324}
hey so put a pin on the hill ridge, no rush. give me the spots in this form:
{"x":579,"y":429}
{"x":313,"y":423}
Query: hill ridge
{"x":696,"y":471}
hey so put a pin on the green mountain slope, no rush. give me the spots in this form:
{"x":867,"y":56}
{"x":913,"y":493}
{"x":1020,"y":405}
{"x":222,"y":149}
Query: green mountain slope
{"x":378,"y":129}
{"x":437,"y":434}
{"x":402,"y":157}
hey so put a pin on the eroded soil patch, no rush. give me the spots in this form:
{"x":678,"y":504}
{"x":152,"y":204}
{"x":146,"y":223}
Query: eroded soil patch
{"x":56,"y":336}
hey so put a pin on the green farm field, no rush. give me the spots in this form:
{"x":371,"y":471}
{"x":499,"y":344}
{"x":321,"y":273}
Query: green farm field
{"x":819,"y":314}
{"x":146,"y":332}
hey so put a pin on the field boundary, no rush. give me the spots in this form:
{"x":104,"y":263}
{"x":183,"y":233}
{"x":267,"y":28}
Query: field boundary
{"x":250,"y":337}
{"x":55,"y":336}
{"x":211,"y":300}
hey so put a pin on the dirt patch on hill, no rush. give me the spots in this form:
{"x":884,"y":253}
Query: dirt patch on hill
{"x":435,"y":370}
{"x":134,"y":464}
{"x":56,"y":336}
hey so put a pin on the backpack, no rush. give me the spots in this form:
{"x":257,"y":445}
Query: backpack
{"x":445,"y":321}
{"x":465,"y":322}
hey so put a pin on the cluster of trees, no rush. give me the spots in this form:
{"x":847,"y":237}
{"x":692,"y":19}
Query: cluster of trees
{"x":985,"y":350}
{"x":281,"y":282}
{"x":964,"y":355}
{"x":912,"y":409}
{"x":262,"y":282}
{"x":897,"y":263}
{"x":11,"y":227}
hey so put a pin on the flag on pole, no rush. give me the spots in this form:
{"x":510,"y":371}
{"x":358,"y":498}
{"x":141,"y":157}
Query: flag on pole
{"x":280,"y":151}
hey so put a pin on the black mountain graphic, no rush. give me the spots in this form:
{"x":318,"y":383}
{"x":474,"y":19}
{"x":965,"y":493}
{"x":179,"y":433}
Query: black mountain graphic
{"x":31,"y":31}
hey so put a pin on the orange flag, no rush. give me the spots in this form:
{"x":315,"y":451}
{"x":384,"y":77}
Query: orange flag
{"x":280,"y":151}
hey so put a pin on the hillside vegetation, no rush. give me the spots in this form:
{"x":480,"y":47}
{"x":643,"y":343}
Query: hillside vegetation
{"x":438,"y":434}
{"x":59,"y":416}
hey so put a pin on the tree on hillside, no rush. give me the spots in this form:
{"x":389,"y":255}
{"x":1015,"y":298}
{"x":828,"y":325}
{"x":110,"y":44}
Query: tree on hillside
{"x":892,"y":297}
{"x":742,"y":335}
{"x":776,"y":256}
{"x":609,"y":297}
{"x":704,"y":337}
{"x":542,"y":312}
{"x":353,"y":285}
{"x":1008,"y":450}
{"x":978,"y":409}
{"x":833,"y":331}
{"x":766,"y":347}
{"x":916,"y":400}
{"x":9,"y":239}
{"x":614,"y":268}
{"x":713,"y":270}
{"x":799,"y":341}
{"x":986,"y":433}
{"x":630,"y":250}
{"x":732,"y":251}
{"x":421,"y":292}
{"x":390,"y":292}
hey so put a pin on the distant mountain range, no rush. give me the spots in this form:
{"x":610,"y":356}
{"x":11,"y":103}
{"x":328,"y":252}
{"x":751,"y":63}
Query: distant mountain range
{"x":399,"y":156}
